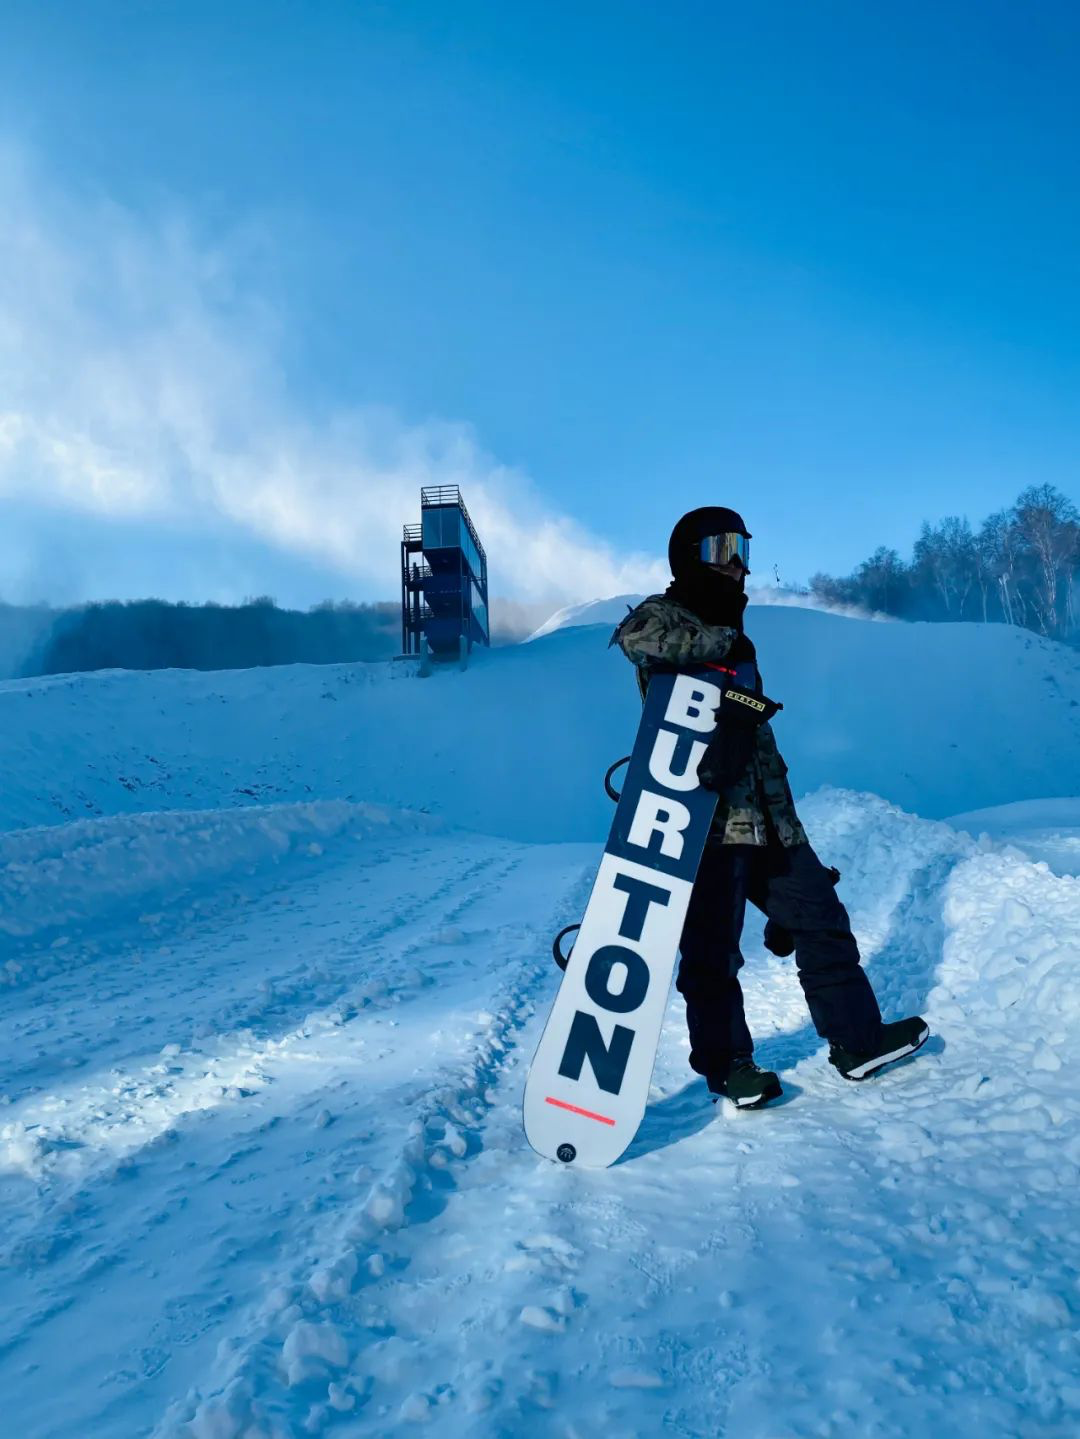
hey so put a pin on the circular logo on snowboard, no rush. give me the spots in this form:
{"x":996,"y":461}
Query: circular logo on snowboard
{"x":566,"y":1152}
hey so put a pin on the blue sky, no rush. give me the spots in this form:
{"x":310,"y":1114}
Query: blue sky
{"x":268,"y":267}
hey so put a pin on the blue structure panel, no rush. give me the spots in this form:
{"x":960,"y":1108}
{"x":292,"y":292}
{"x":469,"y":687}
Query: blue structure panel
{"x":444,"y":530}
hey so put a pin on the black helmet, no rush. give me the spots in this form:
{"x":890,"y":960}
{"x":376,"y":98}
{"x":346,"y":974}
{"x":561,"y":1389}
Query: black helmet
{"x":697,"y":582}
{"x":684,"y":547}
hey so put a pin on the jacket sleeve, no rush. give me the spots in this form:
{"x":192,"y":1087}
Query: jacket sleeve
{"x":657,"y":632}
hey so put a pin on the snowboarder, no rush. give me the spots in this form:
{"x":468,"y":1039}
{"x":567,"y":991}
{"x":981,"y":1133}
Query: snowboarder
{"x":757,"y":849}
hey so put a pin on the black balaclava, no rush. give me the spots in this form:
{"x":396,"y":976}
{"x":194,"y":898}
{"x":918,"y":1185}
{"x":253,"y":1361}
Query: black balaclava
{"x":716,"y":598}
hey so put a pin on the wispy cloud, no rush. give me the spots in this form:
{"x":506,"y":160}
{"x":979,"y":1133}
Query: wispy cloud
{"x":141,"y":379}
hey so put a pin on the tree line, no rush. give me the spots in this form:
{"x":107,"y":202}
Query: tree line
{"x":156,"y":634}
{"x":1021,"y":567}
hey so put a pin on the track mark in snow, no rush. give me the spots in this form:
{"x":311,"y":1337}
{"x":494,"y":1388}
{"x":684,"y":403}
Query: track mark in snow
{"x":857,"y":1260}
{"x":90,"y":1124}
{"x":320,"y":1129}
{"x":370,"y":1249}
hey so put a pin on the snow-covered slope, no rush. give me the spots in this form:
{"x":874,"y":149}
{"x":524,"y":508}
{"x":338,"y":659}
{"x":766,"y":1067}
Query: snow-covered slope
{"x":273,"y":960}
{"x":938,"y":718}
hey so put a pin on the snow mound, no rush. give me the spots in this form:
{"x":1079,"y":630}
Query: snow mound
{"x":1009,"y":961}
{"x":611,"y":611}
{"x":940,"y":719}
{"x":1044,"y":829}
{"x":592,"y":612}
{"x":56,"y":879}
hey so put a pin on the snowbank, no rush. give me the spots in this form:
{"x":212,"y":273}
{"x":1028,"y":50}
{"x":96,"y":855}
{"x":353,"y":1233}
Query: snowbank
{"x":58,"y":878}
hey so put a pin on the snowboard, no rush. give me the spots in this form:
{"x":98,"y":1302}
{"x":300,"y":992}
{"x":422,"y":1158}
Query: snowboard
{"x":589,"y":1081}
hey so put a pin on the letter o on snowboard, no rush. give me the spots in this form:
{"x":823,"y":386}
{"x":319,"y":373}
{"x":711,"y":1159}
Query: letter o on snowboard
{"x":598,"y":979}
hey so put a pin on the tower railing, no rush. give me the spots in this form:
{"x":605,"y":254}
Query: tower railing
{"x":443,"y":496}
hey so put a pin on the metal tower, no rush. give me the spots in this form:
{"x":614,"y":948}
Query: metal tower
{"x":444,"y":584}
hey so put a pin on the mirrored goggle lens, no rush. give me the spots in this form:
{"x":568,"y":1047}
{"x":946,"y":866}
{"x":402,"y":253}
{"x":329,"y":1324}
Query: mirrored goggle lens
{"x":722,"y":549}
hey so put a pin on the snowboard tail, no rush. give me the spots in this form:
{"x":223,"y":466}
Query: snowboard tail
{"x":589,"y":1081}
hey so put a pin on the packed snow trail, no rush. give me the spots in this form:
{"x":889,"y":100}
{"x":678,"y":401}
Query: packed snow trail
{"x":154,"y":1165}
{"x":881,"y":1259}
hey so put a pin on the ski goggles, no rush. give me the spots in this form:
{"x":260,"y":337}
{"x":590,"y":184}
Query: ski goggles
{"x":722,"y":549}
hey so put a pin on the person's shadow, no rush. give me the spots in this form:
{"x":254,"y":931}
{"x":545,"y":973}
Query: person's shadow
{"x":680,"y":1115}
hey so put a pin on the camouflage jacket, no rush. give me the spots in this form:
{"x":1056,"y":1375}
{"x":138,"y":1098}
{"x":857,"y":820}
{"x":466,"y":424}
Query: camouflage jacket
{"x":661,"y":631}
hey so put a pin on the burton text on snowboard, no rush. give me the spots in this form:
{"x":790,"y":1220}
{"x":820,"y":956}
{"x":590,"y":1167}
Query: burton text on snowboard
{"x":589,"y":1082}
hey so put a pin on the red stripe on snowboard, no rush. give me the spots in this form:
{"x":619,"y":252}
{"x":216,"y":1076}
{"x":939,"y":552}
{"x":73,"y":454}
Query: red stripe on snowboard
{"x":573,"y":1108}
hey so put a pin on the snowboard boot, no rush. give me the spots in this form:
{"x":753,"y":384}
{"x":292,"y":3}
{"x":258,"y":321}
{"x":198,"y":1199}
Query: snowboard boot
{"x":747,"y":1086}
{"x":901,"y":1038}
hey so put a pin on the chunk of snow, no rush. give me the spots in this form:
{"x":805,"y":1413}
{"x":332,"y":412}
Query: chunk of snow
{"x":546,"y":1320}
{"x":334,"y":1281}
{"x":309,"y":1348}
{"x":385,"y":1207}
{"x":415,"y":1409}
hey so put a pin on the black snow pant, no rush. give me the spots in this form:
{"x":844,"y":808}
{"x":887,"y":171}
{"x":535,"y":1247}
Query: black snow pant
{"x":792,"y":887}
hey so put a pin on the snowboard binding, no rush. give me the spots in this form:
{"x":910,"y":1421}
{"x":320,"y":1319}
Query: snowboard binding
{"x":612,"y":793}
{"x":562,"y":960}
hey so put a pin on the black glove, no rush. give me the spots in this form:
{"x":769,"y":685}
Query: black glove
{"x":739,"y":716}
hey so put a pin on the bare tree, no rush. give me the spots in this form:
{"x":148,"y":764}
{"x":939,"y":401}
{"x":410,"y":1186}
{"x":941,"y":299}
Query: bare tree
{"x":988,"y":553}
{"x":832,"y":591}
{"x":1023,"y":565}
{"x":1011,"y":573}
{"x":944,"y":561}
{"x":1048,"y":528}
{"x":882,"y":581}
